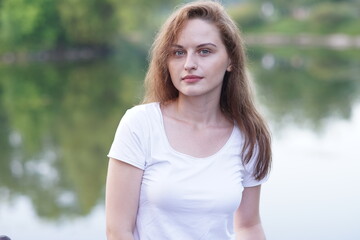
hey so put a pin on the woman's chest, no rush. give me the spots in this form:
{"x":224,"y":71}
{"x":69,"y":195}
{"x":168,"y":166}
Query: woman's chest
{"x":197,"y":142}
{"x":202,"y":185}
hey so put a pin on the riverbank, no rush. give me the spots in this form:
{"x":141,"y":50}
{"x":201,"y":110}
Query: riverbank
{"x":56,"y":55}
{"x":334,"y":41}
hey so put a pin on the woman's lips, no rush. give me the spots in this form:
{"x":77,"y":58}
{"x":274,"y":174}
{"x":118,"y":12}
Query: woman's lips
{"x":191,"y":78}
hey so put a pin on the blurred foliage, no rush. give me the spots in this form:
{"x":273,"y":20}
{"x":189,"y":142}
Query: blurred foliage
{"x":328,"y":18}
{"x":247,"y":15}
{"x":48,"y":24}
{"x":86,"y":22}
{"x":52,"y":24}
{"x":295,"y":17}
{"x":24,"y":24}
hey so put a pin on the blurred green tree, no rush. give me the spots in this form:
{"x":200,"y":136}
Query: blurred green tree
{"x":89,"y":22}
{"x":48,"y":24}
{"x":29,"y":24}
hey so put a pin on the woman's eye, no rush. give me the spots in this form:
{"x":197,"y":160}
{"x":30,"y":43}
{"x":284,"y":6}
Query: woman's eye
{"x":204,"y":51}
{"x":179,"y":53}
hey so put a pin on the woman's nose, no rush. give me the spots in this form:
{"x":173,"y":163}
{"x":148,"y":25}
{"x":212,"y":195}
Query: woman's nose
{"x":190,"y":63}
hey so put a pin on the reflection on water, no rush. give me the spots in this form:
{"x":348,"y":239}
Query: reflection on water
{"x":307,"y":86}
{"x":313,"y":192}
{"x":58,"y":120}
{"x":56,"y":124}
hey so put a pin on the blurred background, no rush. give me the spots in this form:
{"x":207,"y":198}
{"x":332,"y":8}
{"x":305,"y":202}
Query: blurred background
{"x":70,"y":68}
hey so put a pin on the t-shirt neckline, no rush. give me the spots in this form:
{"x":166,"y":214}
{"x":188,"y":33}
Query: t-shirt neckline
{"x":168,"y":145}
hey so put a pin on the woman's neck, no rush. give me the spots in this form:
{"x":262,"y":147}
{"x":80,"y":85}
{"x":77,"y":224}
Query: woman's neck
{"x":198,"y":112}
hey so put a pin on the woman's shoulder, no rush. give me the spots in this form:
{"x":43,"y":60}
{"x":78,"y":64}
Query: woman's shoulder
{"x":142,"y":109}
{"x":140,"y":113}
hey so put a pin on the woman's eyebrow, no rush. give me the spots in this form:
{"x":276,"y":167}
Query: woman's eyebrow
{"x":205,"y":44}
{"x":198,"y":46}
{"x":176,"y":46}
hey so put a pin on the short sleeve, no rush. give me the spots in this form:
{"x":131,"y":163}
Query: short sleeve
{"x":129,"y":144}
{"x":249,"y":170}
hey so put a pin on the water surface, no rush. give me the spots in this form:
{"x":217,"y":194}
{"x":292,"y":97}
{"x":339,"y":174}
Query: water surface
{"x":58,"y":120}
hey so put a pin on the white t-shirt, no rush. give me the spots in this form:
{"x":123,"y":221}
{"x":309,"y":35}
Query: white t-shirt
{"x":182,"y":197}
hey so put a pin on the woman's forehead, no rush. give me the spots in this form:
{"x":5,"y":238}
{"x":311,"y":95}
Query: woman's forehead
{"x":198,"y":31}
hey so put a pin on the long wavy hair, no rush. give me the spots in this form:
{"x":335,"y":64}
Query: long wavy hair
{"x":236,"y":101}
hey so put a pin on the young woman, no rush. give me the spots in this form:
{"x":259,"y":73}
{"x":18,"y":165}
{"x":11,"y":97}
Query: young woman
{"x":188,"y":163}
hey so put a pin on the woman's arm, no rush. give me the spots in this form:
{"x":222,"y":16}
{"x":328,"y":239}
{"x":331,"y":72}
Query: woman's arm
{"x":247,"y":221}
{"x":122,"y":199}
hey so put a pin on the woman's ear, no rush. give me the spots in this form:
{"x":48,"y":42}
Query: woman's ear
{"x":229,"y":68}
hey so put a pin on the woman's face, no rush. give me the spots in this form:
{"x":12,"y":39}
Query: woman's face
{"x":198,"y":60}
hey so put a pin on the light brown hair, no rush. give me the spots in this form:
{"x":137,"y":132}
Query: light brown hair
{"x":236,"y":96}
